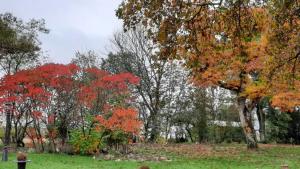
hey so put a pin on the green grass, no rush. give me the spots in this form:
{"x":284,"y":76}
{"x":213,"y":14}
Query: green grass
{"x":265,"y":158}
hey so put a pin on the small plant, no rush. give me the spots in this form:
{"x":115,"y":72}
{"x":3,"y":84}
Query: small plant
{"x":85,"y":144}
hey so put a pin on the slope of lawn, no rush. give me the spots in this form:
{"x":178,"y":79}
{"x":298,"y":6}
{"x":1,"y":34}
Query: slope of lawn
{"x":269,"y":157}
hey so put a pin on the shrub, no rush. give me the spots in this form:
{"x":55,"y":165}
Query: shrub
{"x":85,"y":143}
{"x":277,"y":125}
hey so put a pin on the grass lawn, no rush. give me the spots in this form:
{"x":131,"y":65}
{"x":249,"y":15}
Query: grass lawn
{"x":269,"y":157}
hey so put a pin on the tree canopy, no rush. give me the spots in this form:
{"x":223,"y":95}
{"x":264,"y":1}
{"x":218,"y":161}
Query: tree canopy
{"x":248,"y":47}
{"x":19,"y":44}
{"x":239,"y":45}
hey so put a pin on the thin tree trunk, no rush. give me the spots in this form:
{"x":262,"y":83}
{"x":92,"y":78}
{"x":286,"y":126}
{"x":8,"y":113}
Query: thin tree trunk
{"x":167,"y":130}
{"x":261,"y":120}
{"x":39,"y":135}
{"x":202,"y":127}
{"x":246,"y":124}
{"x":7,"y":127}
{"x":189,"y":133}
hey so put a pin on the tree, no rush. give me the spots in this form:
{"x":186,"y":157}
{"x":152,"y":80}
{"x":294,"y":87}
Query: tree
{"x":209,"y":108}
{"x":236,"y":45}
{"x":195,"y":105}
{"x":159,"y":79}
{"x":55,"y":95}
{"x":19,"y":48}
{"x":105,"y":107}
{"x":31,"y":94}
{"x":86,"y":60}
{"x":19,"y":42}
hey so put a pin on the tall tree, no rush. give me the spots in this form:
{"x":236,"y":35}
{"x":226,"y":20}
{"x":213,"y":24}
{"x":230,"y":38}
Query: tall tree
{"x":159,"y":79}
{"x":236,"y":45}
{"x":19,"y":48}
{"x":19,"y":42}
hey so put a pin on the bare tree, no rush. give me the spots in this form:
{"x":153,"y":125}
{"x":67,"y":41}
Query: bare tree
{"x":161,"y":81}
{"x":88,"y":59}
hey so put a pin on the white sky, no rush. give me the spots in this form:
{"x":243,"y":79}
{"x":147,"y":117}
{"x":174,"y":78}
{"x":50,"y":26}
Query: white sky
{"x":75,"y":25}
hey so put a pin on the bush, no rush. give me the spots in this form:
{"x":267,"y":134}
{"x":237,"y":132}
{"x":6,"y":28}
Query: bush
{"x":277,"y":126}
{"x":161,"y":140}
{"x":114,"y":137}
{"x":85,"y":144}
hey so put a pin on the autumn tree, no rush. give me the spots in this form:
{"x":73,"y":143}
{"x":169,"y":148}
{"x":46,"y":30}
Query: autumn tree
{"x":19,"y":48}
{"x":248,"y":47}
{"x":159,"y":79}
{"x":103,"y":92}
{"x":32,"y":93}
{"x":106,"y":113}
{"x":55,"y":95}
{"x":63,"y":86}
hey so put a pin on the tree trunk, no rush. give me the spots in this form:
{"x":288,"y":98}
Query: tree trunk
{"x":189,"y":133}
{"x":202,"y":127}
{"x":63,"y":129}
{"x":246,"y":123}
{"x":154,"y":133}
{"x":39,"y":135}
{"x":261,"y":120}
{"x":167,"y":130}
{"x":20,"y":136}
{"x":7,"y":127}
{"x":146,"y":131}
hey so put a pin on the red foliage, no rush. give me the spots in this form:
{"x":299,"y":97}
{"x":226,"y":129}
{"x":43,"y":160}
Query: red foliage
{"x":37,"y":114}
{"x":124,"y":119}
{"x":32,"y":86}
{"x":105,"y":85}
{"x":34,"y":89}
{"x":51,"y":118}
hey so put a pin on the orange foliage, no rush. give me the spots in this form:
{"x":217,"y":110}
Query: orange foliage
{"x":124,"y":119}
{"x":249,"y":47}
{"x":287,"y":100}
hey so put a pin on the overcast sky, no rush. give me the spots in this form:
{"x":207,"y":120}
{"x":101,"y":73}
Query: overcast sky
{"x":75,"y":25}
